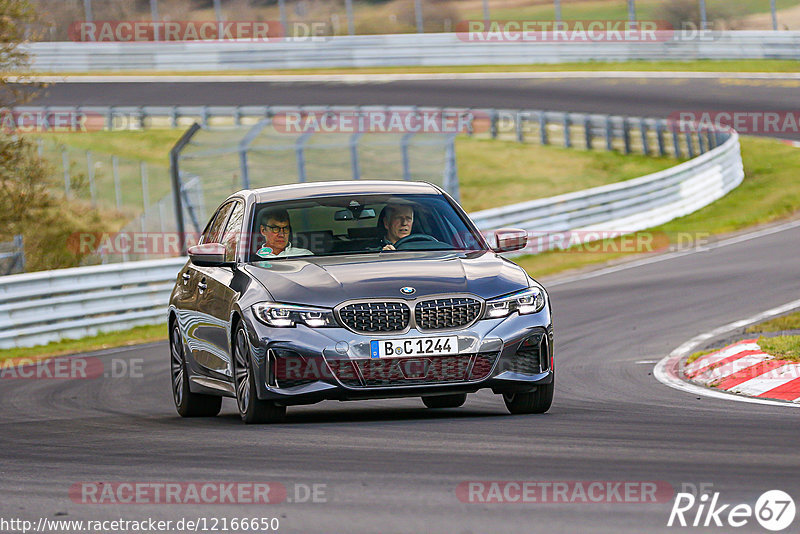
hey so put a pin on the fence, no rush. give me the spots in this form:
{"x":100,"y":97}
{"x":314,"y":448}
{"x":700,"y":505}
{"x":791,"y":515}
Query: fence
{"x":40,"y":307}
{"x":12,"y":256}
{"x":399,"y":50}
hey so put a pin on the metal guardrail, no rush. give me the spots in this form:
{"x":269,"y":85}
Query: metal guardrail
{"x":37,"y":308}
{"x":398,"y":50}
{"x":40,"y":307}
{"x":12,"y":256}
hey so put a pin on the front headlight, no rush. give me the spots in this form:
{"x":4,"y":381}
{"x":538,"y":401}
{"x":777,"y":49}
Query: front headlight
{"x":289,"y":315}
{"x":529,"y":300}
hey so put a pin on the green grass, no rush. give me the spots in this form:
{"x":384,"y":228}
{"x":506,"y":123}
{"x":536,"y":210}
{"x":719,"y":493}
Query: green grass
{"x":787,"y":322}
{"x":781,"y":347}
{"x":134,"y":336}
{"x":769,"y":192}
{"x":732,"y":66}
{"x":698,"y":354}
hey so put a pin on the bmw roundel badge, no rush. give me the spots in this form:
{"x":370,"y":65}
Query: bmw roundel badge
{"x":407,"y":290}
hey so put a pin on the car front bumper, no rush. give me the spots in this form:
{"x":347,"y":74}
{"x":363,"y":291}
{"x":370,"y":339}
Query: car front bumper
{"x":303,"y":365}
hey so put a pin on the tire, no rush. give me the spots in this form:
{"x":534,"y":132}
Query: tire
{"x":538,"y":401}
{"x":187,"y":403}
{"x":252,"y":409}
{"x":445,"y":401}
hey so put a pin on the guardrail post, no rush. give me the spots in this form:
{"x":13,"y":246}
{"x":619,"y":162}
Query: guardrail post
{"x":237,"y":116}
{"x":543,"y":128}
{"x":65,"y":165}
{"x":117,"y":187}
{"x":587,"y":131}
{"x":142,"y":117}
{"x":519,"y":126}
{"x":110,"y":118}
{"x":355,"y":167}
{"x":676,"y":142}
{"x":20,"y":245}
{"x":173,"y":117}
{"x":626,"y":134}
{"x":662,"y":150}
{"x":609,"y":134}
{"x":690,"y":145}
{"x":711,"y":140}
{"x":90,"y":174}
{"x":493,"y":123}
{"x":645,"y":141}
{"x":701,"y":142}
{"x":471,"y":125}
{"x":567,"y":136}
{"x":204,"y":117}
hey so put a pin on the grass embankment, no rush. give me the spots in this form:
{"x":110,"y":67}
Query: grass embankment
{"x":134,"y":336}
{"x":781,"y":347}
{"x":733,"y":66}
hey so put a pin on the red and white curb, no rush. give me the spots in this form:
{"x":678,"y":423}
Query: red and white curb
{"x":743,"y":368}
{"x":670,"y":370}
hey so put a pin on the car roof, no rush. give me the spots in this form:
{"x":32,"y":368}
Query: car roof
{"x":342,"y":187}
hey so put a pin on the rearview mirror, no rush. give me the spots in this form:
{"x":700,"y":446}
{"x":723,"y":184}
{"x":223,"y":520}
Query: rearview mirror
{"x":353,"y":214}
{"x":207,"y":254}
{"x":510,"y":239}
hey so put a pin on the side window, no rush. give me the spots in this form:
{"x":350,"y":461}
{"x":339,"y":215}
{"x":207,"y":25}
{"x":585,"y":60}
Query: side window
{"x":213,"y":232}
{"x":233,"y":232}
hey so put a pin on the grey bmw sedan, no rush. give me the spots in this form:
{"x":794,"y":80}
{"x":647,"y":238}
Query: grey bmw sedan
{"x":354,"y":290}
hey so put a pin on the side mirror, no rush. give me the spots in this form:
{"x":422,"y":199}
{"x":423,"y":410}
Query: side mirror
{"x":510,"y":239}
{"x":208,"y":255}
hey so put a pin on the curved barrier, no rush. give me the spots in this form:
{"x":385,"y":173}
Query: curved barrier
{"x":440,"y":49}
{"x":39,"y":307}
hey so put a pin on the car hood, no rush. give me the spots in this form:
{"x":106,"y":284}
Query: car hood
{"x":329,"y":281}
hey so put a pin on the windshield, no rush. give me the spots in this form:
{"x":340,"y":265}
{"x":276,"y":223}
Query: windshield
{"x":359,"y":224}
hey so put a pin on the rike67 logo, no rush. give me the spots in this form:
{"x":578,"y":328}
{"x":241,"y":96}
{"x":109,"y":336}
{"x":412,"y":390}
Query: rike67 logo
{"x":774,"y":510}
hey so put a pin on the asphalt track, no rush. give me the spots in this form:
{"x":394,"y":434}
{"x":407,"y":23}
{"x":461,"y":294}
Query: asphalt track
{"x":393,"y":466}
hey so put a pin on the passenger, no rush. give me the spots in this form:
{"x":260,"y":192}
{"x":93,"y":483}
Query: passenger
{"x":276,"y":227}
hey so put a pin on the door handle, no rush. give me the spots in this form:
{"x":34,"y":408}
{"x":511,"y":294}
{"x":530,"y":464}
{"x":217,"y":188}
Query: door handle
{"x":202,"y":286}
{"x":186,"y":277}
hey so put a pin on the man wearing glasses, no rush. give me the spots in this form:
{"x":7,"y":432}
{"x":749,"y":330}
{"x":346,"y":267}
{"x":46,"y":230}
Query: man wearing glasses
{"x":276,"y":228}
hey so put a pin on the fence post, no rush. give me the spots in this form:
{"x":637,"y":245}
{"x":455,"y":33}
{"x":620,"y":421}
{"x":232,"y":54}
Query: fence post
{"x":543,"y":128}
{"x":520,"y":126}
{"x":301,"y":156}
{"x":662,"y":150}
{"x":110,"y":118}
{"x":117,"y":187}
{"x":145,"y":191}
{"x":493,"y":123}
{"x":173,"y":119}
{"x":587,"y":131}
{"x":450,"y":169}
{"x":351,"y":28}
{"x":567,"y":135}
{"x":626,"y":134}
{"x":689,"y":144}
{"x":20,"y":245}
{"x":90,"y":173}
{"x":174,"y":164}
{"x":645,"y":141}
{"x":701,"y":142}
{"x":65,"y":166}
{"x":284,"y":20}
{"x":418,"y":13}
{"x":354,"y":155}
{"x":609,"y":134}
{"x":404,"y":141}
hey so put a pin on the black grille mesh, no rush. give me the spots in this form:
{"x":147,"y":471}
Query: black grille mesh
{"x":444,"y":313}
{"x":376,"y":316}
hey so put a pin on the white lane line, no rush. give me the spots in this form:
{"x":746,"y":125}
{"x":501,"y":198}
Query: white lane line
{"x":679,"y":254}
{"x":667,"y":370}
{"x":395,"y":77}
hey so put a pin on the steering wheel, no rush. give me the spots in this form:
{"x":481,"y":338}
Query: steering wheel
{"x":412,"y":238}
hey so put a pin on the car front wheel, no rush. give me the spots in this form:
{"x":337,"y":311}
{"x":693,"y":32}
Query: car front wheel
{"x":538,"y":401}
{"x":187,"y":403}
{"x":252,"y":409}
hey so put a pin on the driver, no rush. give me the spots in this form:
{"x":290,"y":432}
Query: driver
{"x":398,"y":220}
{"x":276,"y":227}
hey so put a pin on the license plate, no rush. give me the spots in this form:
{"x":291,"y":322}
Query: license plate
{"x":420,"y":346}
